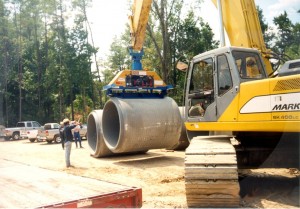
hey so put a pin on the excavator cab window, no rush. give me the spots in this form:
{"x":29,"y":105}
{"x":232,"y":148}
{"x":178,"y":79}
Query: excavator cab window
{"x":249,"y":65}
{"x":201,"y":87}
{"x":224,"y":75}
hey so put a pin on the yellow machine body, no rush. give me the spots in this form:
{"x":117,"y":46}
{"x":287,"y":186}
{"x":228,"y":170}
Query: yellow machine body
{"x":271,"y":105}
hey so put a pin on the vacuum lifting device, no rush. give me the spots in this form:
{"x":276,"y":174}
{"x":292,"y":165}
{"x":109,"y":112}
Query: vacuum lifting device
{"x":137,"y":82}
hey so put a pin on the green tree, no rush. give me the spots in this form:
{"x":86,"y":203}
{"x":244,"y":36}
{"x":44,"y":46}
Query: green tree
{"x":285,"y":28}
{"x":293,"y":50}
{"x":267,"y":34}
{"x":119,"y":56}
{"x":6,"y":55}
{"x":194,"y":37}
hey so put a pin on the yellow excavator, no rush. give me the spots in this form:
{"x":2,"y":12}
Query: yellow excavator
{"x":238,"y":112}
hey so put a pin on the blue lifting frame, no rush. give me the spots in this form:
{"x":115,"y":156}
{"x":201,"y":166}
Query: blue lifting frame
{"x":136,"y":92}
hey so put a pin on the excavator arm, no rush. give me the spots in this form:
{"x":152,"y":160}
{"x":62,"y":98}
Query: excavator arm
{"x":138,"y":24}
{"x":241,"y":22}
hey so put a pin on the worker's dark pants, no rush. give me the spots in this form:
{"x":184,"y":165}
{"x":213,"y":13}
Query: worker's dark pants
{"x":77,"y":138}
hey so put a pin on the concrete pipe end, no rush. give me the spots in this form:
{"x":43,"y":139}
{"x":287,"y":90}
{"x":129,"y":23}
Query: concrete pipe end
{"x":111,"y":124}
{"x":95,"y":135}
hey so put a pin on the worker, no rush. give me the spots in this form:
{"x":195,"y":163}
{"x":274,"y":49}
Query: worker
{"x":68,"y":138}
{"x":77,"y":135}
{"x":61,"y":134}
{"x":197,"y":110}
{"x":252,"y":70}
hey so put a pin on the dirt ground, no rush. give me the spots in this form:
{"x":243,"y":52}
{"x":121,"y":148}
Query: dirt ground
{"x":159,"y":173}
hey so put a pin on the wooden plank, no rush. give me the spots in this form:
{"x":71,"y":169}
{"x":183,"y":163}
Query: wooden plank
{"x":212,"y":170}
{"x":212,"y":196}
{"x":205,"y":176}
{"x":209,"y":151}
{"x":212,"y":202}
{"x":25,"y":186}
{"x":232,"y":191}
{"x":210,"y":146}
{"x":207,"y":184}
{"x":210,"y":159}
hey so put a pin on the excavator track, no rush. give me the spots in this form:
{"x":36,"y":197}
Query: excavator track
{"x":211,"y":176}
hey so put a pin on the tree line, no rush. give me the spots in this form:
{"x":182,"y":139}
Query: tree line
{"x":46,"y":63}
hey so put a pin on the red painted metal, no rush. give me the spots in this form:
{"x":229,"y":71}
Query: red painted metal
{"x":131,"y":198}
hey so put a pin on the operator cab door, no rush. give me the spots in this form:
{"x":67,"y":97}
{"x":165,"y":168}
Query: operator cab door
{"x":210,"y":88}
{"x":200,"y":96}
{"x":225,"y":92}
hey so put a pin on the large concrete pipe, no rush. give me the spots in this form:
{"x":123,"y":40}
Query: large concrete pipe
{"x":134,"y":125}
{"x":183,"y":141}
{"x":95,"y":135}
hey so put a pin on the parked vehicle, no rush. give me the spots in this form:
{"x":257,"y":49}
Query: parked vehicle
{"x":83,"y":131}
{"x":2,"y":130}
{"x":49,"y":133}
{"x":14,"y":133}
{"x":29,"y":134}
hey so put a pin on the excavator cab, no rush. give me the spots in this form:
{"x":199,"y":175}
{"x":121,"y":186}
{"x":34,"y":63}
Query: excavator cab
{"x":214,"y":80}
{"x":236,"y":117}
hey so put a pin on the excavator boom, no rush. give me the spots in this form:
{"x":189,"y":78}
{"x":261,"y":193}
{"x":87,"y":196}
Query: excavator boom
{"x":138,"y":23}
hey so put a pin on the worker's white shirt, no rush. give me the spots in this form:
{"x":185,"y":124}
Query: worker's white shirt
{"x":77,"y":128}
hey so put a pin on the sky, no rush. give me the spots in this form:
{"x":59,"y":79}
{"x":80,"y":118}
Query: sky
{"x":109,"y":18}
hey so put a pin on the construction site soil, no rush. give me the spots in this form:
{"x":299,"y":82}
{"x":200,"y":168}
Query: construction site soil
{"x":160,"y":174}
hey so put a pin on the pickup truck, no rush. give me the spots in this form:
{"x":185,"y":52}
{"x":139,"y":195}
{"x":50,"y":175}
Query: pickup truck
{"x":15,"y":133}
{"x":49,"y":133}
{"x":29,"y":134}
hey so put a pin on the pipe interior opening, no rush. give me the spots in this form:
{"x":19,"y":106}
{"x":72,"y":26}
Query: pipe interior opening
{"x":111,"y":124}
{"x":92,"y":132}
